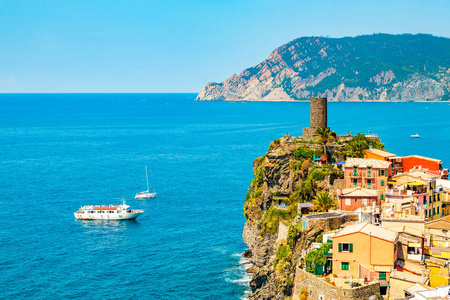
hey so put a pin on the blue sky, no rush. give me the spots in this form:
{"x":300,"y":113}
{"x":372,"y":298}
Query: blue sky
{"x":176,"y":46}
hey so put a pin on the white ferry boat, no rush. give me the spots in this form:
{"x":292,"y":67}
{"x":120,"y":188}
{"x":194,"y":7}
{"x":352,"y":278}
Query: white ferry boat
{"x":107,"y":212}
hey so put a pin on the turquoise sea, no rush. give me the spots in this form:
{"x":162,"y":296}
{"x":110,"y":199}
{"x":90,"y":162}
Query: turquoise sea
{"x":61,"y":151}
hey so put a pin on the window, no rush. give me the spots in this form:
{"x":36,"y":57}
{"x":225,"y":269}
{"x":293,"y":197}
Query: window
{"x":364,"y":202}
{"x":356,"y":201}
{"x":382,"y":276}
{"x":434,"y":211}
{"x":424,"y":199}
{"x":369,"y":184}
{"x":369,"y":171}
{"x":355,"y":182}
{"x":381,"y":173}
{"x":345,"y":266}
{"x":434,"y":198}
{"x":381,"y":196}
{"x":345,"y":247}
{"x":426,"y":214}
{"x":355,"y":170}
{"x":437,"y":210}
{"x":382,"y":183}
{"x":347,"y":201}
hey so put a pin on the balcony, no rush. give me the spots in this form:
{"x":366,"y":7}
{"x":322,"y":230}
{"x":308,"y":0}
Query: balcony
{"x":396,"y":192}
{"x":355,"y":174}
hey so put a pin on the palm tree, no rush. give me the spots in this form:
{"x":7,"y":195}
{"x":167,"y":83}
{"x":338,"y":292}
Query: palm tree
{"x":323,"y":201}
{"x":325,"y":136}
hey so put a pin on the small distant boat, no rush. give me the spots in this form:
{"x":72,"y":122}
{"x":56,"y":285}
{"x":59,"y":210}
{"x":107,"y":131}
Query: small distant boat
{"x":107,"y":212}
{"x":415,"y":136}
{"x":146,"y":194}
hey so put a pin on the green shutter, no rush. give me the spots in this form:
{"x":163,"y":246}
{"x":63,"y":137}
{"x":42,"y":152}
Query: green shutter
{"x":382,"y":276}
{"x":350,"y":248}
{"x":340,"y":247}
{"x":379,"y":172}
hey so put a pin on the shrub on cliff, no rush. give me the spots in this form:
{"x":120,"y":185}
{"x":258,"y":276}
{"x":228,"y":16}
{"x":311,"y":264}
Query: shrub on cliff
{"x":284,"y":254}
{"x":273,"y":215}
{"x":304,"y":153}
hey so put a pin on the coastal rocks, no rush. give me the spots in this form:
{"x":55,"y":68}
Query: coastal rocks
{"x":347,"y":69}
{"x":277,"y":174}
{"x":247,"y":253}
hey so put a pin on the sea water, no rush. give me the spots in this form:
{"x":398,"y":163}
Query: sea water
{"x":62,"y":151}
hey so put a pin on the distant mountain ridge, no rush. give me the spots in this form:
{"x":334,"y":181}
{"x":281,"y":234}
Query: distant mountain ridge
{"x":380,"y":67}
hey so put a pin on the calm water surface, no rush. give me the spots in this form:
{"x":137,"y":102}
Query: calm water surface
{"x":61,"y":151}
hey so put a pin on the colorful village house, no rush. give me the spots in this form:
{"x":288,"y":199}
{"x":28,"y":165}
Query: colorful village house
{"x":362,"y":201}
{"x":431,"y":165}
{"x":367,"y":173}
{"x":397,"y":166}
{"x":438,"y":254}
{"x":366,"y":252}
{"x":413,"y":193}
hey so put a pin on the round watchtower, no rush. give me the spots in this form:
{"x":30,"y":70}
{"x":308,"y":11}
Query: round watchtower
{"x":318,"y":112}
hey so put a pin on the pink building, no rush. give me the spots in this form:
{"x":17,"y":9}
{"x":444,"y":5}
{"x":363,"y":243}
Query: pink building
{"x":367,"y":173}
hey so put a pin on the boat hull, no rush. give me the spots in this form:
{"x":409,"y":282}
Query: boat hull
{"x":116,"y":216}
{"x":145,"y":196}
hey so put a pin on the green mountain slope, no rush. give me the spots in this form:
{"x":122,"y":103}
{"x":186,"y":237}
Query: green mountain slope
{"x":371,"y":67}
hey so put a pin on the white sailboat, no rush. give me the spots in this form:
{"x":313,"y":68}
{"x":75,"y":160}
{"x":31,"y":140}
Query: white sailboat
{"x":146,"y":194}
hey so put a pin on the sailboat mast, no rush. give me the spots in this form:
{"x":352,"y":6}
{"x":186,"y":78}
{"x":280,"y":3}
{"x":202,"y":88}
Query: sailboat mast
{"x":146,"y":176}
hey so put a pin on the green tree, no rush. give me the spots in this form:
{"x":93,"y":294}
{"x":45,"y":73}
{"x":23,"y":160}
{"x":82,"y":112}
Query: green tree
{"x":325,"y":136}
{"x":323,"y":201}
{"x":356,"y":146}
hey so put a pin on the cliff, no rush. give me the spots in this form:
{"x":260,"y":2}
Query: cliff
{"x":285,"y":177}
{"x":378,"y":67}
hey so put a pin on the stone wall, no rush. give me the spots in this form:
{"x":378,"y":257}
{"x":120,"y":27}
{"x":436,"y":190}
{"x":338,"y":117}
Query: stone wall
{"x":326,"y":221}
{"x":282,"y":232}
{"x":319,"y":289}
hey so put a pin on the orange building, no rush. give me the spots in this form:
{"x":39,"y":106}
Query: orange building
{"x":386,"y":156}
{"x":378,"y":154}
{"x":365,"y":251}
{"x":422,"y":163}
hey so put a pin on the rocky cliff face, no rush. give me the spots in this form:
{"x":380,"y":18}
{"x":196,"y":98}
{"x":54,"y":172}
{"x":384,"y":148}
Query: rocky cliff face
{"x":375,"y":67}
{"x":284,"y":175}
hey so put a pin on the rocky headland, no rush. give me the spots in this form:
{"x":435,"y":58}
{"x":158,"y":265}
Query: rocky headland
{"x":285,"y":177}
{"x":380,"y":67}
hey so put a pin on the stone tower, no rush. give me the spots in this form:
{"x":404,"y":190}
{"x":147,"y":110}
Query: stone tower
{"x":318,"y":116}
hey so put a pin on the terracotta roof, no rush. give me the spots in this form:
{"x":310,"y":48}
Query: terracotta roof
{"x":359,"y":192}
{"x":418,"y":287}
{"x":367,"y":162}
{"x":406,"y":276}
{"x":369,"y":229}
{"x":381,"y":152}
{"x":414,"y":177}
{"x":407,"y":229}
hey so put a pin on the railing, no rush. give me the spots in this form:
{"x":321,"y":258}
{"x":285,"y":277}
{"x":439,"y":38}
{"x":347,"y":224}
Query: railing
{"x":355,"y":174}
{"x":396,"y":192}
{"x":369,"y":175}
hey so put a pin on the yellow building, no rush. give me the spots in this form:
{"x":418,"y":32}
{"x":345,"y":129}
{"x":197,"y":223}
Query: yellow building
{"x":420,"y":187}
{"x":365,"y":251}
